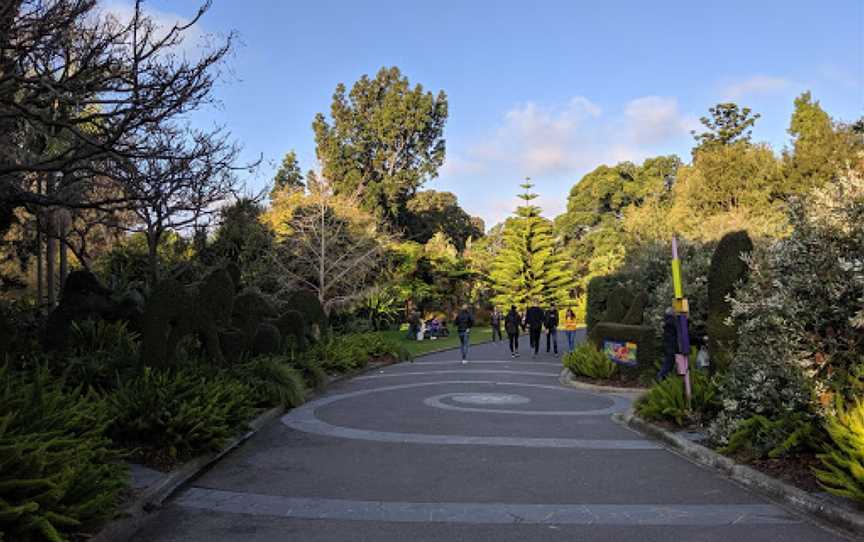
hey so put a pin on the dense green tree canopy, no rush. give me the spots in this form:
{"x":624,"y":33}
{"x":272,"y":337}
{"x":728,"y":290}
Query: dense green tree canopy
{"x":728,"y":124}
{"x":819,"y":148}
{"x":383,"y":140}
{"x":430,"y":212}
{"x":288,"y":175}
{"x":529,"y":268}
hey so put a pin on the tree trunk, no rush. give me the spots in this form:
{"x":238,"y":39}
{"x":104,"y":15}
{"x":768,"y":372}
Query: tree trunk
{"x":62,"y":228}
{"x":50,"y":248}
{"x":153,"y":255}
{"x":40,"y":257}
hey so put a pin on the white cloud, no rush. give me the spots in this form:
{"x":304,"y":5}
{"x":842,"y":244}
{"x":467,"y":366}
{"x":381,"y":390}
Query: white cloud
{"x":653,"y":120}
{"x":758,"y":84}
{"x":555,"y":145}
{"x":536,"y":140}
{"x":193,"y":37}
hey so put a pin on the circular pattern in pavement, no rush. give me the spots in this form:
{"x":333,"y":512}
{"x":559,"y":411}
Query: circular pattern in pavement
{"x":488,"y":398}
{"x":304,"y":419}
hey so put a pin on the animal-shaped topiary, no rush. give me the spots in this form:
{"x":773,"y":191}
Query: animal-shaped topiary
{"x":174,"y":311}
{"x":251,"y":308}
{"x":267,"y":340}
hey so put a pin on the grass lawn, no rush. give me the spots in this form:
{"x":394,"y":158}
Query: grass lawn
{"x":479,"y":335}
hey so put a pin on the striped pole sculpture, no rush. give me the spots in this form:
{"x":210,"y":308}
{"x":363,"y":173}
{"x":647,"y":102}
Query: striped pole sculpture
{"x":682,"y":309}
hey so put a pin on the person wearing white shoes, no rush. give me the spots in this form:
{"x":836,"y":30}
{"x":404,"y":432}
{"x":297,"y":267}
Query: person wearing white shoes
{"x":464,"y":323}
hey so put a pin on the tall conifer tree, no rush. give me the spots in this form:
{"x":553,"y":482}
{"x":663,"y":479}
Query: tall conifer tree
{"x":528,"y":266}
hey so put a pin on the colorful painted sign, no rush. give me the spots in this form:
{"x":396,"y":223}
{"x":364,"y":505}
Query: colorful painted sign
{"x":622,"y":353}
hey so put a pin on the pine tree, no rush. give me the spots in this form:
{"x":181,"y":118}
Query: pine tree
{"x":529,"y":267}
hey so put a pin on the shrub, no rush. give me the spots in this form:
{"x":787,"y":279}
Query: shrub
{"x":665,"y":401}
{"x":727,"y":269}
{"x":58,"y":473}
{"x":101,"y":354}
{"x":348,"y":352}
{"x":273,"y":382}
{"x":586,"y":360}
{"x":313,"y":374}
{"x":178,"y":413}
{"x":766,"y":387}
{"x":758,"y":437}
{"x":842,"y":471}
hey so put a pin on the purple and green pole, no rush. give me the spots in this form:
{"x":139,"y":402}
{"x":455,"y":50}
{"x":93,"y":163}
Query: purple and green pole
{"x":682,"y":309}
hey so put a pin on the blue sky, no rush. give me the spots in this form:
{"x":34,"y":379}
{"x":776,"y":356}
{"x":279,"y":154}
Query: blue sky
{"x":547,"y":89}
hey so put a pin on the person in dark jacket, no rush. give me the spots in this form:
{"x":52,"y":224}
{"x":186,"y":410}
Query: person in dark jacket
{"x":551,"y":323}
{"x":670,"y":343}
{"x":464,"y":323}
{"x":512,"y":325}
{"x":495,"y":320}
{"x":534,"y":317}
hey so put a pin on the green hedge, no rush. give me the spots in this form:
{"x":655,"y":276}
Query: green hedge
{"x":726,"y":270}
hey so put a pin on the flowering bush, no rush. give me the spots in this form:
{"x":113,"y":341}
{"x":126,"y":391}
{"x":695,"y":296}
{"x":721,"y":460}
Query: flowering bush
{"x":799,"y":317}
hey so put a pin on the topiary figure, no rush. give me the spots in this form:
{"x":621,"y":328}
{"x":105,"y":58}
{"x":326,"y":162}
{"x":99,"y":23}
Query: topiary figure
{"x":727,"y":269}
{"x":251,"y":308}
{"x":83,"y":298}
{"x":232,"y":341}
{"x":166,"y":321}
{"x":267,"y":340}
{"x":617,"y":305}
{"x":212,"y":309}
{"x":597,"y":294}
{"x":292,"y":326}
{"x":236,"y":275}
{"x":637,"y":308}
{"x":308,"y":305}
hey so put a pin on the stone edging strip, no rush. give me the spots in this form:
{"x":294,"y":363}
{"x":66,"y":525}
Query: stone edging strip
{"x":566,"y":379}
{"x":153,"y":496}
{"x":789,"y":494}
{"x":136,"y":512}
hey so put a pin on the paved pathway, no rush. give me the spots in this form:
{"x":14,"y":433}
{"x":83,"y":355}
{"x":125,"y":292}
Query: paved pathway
{"x":493,"y":450}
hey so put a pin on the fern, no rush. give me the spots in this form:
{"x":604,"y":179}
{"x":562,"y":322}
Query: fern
{"x":58,"y":471}
{"x":760,"y":437}
{"x":273,"y":381}
{"x":666,"y":400}
{"x":587,"y":361}
{"x":842,"y":471}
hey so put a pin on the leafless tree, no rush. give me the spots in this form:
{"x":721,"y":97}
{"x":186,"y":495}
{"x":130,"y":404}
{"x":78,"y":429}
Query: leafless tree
{"x":333,"y":249}
{"x":181,"y":191}
{"x":81,"y":91}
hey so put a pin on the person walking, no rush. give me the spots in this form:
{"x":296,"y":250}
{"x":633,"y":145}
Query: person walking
{"x":464,"y":323}
{"x":551,"y":323}
{"x":512,"y":325}
{"x":495,"y":320}
{"x":570,"y":327}
{"x":534,"y":317}
{"x":670,"y":343}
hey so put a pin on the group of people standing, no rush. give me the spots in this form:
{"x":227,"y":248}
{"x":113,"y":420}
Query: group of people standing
{"x":534,"y":320}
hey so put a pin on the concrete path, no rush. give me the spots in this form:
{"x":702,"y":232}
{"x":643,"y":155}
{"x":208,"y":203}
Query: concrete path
{"x":495,"y":450}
